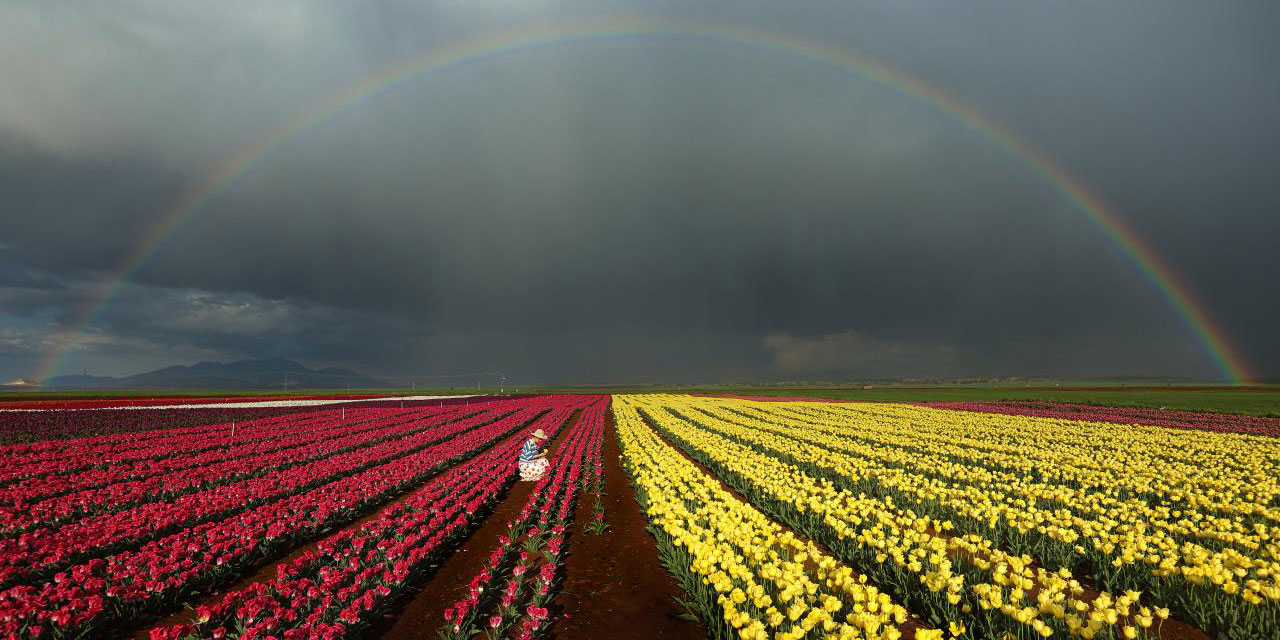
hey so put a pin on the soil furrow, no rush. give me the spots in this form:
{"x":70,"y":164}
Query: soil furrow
{"x":419,"y":615}
{"x":614,"y":586}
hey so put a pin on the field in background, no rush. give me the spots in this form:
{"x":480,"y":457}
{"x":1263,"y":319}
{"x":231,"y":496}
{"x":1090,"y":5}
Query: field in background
{"x":1261,"y":400}
{"x":1256,"y":400}
{"x":11,"y":396}
{"x":894,"y":517}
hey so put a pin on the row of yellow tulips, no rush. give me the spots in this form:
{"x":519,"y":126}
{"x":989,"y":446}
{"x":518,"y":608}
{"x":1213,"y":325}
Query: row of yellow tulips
{"x":1206,"y":471}
{"x":751,"y":578}
{"x":1129,"y":532}
{"x":984,"y":588}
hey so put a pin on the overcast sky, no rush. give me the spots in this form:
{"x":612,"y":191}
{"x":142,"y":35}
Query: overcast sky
{"x":640,"y":209}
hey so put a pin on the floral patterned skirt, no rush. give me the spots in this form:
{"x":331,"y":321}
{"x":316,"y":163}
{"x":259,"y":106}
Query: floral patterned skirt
{"x":532,"y":471}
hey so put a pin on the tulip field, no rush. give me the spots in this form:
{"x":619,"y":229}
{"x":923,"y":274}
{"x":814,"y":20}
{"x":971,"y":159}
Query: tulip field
{"x":727,"y":517}
{"x":977,"y":524}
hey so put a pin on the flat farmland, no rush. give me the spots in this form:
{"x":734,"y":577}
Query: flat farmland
{"x":661,"y":516}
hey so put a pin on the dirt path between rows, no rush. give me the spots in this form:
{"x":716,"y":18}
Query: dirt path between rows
{"x":422,"y":613}
{"x":614,"y":586}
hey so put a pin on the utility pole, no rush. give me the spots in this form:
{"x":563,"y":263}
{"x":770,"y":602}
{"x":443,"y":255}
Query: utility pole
{"x":286,"y":381}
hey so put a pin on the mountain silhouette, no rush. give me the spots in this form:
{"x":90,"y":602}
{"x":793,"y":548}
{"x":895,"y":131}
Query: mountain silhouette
{"x":269,"y":373}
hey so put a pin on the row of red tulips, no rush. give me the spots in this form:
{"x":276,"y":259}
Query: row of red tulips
{"x":593,"y":482}
{"x":533,"y":618}
{"x":89,"y":597}
{"x":43,"y":429}
{"x":33,"y":431}
{"x":36,"y":490}
{"x":93,"y":468}
{"x":94,"y":452}
{"x":509,"y":595}
{"x":107,"y":403}
{"x":143,"y":446}
{"x":339,"y":586}
{"x":222,"y":467}
{"x":87,"y":454}
{"x":57,"y":449}
{"x":45,"y":551}
{"x":1221,"y":422}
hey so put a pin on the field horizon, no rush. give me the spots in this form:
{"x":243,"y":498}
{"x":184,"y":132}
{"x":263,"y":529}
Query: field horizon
{"x":1254,"y":400}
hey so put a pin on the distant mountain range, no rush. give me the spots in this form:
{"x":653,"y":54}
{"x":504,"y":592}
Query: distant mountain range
{"x":272,"y":373}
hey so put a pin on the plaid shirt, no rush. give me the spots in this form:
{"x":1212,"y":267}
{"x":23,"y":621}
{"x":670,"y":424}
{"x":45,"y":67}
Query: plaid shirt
{"x":529,"y":450}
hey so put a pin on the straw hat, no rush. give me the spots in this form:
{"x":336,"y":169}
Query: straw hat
{"x":539,"y":434}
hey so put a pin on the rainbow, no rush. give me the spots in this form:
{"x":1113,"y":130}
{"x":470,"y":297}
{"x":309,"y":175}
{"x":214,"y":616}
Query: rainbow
{"x":234,"y":167}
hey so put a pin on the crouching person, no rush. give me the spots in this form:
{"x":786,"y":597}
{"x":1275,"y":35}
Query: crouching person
{"x":533,"y":459}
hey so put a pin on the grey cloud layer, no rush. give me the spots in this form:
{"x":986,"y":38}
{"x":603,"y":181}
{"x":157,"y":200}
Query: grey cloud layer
{"x":629,"y":210}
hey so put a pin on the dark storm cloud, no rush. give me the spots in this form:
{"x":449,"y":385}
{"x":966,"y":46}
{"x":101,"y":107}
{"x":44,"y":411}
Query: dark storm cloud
{"x":21,"y":278}
{"x":634,"y":211}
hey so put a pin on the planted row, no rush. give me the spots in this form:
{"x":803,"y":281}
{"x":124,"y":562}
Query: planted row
{"x":44,"y":551}
{"x":221,"y":467}
{"x":102,"y":591}
{"x":1214,"y":561}
{"x":337,"y":588}
{"x":962,"y":579}
{"x":40,"y":430}
{"x":508,"y":596}
{"x":198,"y":452}
{"x":89,"y":455}
{"x":1220,"y":422}
{"x":745,"y":575}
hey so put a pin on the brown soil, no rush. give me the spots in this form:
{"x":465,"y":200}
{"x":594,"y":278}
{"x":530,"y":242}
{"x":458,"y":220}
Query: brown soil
{"x":422,"y":613}
{"x":614,"y":586}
